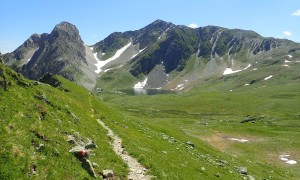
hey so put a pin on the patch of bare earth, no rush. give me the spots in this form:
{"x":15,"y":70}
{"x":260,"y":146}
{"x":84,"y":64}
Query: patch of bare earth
{"x":225,"y":142}
{"x":276,"y":157}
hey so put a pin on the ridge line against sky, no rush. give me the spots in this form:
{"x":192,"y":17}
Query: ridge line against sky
{"x":96,"y":19}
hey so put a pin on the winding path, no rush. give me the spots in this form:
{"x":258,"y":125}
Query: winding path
{"x":136,"y":170}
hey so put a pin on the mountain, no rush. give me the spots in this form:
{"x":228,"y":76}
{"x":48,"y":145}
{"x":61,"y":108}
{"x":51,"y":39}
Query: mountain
{"x":161,"y":55}
{"x":60,"y":52}
{"x":175,"y":57}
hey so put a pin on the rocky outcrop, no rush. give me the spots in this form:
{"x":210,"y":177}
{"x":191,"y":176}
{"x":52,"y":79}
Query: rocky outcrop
{"x":81,"y":150}
{"x":61,"y":53}
{"x":48,"y":78}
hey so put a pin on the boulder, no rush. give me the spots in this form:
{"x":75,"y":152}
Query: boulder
{"x":76,"y":149}
{"x":50,"y":79}
{"x":89,"y":167}
{"x":90,"y":144}
{"x":242,"y":170}
{"x":190,"y":144}
{"x":248,"y":119}
{"x":107,"y":173}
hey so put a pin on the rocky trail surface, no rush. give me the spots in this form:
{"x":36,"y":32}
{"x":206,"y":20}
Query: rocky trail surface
{"x":136,"y":170}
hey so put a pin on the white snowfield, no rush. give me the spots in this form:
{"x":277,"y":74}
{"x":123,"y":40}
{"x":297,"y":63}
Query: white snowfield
{"x":269,"y":77}
{"x":92,"y":48}
{"x":290,"y":56}
{"x":100,"y":64}
{"x":179,"y":87}
{"x":138,"y":53}
{"x":140,"y":85}
{"x":230,"y":71}
{"x":285,"y":158}
{"x":239,"y":140}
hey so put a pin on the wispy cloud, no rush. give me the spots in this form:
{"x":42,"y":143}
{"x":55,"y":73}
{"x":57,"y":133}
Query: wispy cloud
{"x":287,"y":33}
{"x":296,"y":13}
{"x":193,"y":26}
{"x":95,"y":35}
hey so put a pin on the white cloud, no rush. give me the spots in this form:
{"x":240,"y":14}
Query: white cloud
{"x":95,"y":35}
{"x":287,"y":33}
{"x":193,"y":26}
{"x":296,"y":13}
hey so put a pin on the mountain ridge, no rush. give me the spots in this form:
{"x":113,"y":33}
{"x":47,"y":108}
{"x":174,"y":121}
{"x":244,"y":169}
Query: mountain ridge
{"x":158,"y":44}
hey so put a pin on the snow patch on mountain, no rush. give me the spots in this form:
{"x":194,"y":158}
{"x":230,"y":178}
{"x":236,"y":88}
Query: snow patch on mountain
{"x":269,"y":77}
{"x":230,"y":71}
{"x":140,"y":85}
{"x":100,"y":64}
{"x":137,"y":53}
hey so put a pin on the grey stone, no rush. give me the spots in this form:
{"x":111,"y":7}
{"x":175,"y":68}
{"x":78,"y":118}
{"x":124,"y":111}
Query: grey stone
{"x":95,"y":164}
{"x":107,"y":173}
{"x":76,"y":149}
{"x":242,"y":170}
{"x":89,"y":167}
{"x":223,"y":162}
{"x":74,"y":116}
{"x":90,"y":144}
{"x":190,"y":144}
{"x":41,"y":147}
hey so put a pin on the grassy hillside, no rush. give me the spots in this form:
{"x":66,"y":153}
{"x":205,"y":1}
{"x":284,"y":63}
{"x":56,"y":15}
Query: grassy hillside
{"x":35,"y":122}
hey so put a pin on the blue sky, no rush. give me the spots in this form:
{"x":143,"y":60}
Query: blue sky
{"x":96,"y":19}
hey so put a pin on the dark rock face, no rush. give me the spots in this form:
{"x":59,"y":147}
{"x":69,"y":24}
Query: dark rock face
{"x":206,"y":42}
{"x":31,"y":43}
{"x":60,"y":53}
{"x":49,"y":79}
{"x":144,"y":37}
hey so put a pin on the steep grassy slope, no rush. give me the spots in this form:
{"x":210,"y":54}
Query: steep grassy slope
{"x":209,"y":116}
{"x":35,"y":121}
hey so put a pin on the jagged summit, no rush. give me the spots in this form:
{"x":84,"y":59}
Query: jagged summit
{"x":67,"y":31}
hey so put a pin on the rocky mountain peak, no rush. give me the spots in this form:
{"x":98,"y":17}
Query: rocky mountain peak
{"x":66,"y":31}
{"x":158,"y":24}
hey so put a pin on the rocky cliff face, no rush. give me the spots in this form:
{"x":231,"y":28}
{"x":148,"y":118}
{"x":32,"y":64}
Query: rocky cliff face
{"x":60,"y":53}
{"x":189,"y":54}
{"x":208,"y":43}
